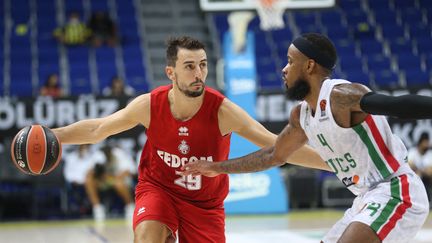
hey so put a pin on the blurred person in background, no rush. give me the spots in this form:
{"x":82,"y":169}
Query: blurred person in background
{"x":118,"y":88}
{"x":74,"y":32}
{"x":93,"y":171}
{"x":52,"y":87}
{"x":116,"y":172}
{"x":420,"y":160}
{"x":104,"y":30}
{"x":77,"y":165}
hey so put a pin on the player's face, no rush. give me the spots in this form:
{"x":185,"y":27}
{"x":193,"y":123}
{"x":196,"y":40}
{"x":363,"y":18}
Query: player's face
{"x":297,"y":87}
{"x":190,"y":72}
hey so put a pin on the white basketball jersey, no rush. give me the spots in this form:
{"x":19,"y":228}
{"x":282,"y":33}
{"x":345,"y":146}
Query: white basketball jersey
{"x":360,"y":156}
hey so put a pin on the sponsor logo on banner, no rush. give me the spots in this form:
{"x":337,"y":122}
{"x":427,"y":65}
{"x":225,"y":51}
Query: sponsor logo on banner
{"x":242,"y":86}
{"x":241,"y":64}
{"x":248,"y":186}
{"x":16,"y":114}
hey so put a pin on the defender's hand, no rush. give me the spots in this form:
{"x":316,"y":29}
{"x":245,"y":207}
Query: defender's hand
{"x":200,"y":167}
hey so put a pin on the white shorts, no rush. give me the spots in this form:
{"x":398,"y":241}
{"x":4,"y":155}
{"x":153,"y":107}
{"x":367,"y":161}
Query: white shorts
{"x":395,"y":210}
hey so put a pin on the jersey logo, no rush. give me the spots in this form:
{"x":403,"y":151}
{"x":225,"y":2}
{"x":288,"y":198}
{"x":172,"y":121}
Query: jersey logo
{"x":183,"y":131}
{"x":141,"y":210}
{"x":349,"y":181}
{"x":323,"y":104}
{"x":183,"y":147}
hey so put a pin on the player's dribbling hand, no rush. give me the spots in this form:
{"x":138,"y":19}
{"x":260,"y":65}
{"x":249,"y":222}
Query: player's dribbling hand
{"x":200,"y":167}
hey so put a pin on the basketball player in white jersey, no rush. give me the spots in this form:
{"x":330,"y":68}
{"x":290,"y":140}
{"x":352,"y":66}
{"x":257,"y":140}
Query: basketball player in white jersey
{"x":335,"y":118}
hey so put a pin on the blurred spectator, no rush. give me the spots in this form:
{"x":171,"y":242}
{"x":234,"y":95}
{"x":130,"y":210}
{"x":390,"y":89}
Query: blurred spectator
{"x":52,"y":87}
{"x":74,"y":32}
{"x":104,"y":31}
{"x":77,"y":165}
{"x":21,"y":29}
{"x":420,"y":160}
{"x":118,"y":88}
{"x":117,"y":172}
{"x":363,"y":31}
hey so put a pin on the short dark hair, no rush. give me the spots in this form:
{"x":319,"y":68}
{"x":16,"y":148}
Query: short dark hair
{"x":424,"y":136}
{"x":324,"y":44}
{"x":175,"y":43}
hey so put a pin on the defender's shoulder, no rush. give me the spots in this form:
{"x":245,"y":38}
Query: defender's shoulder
{"x":348,"y":94}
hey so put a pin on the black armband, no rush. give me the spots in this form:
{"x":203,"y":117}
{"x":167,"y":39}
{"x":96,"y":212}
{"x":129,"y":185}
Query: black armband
{"x":405,"y":106}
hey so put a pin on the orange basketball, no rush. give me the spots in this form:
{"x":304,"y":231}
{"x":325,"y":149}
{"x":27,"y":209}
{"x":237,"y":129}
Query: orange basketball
{"x":36,"y":150}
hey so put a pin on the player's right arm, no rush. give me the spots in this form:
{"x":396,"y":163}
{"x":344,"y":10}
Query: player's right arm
{"x":94,"y":130}
{"x":289,"y":140}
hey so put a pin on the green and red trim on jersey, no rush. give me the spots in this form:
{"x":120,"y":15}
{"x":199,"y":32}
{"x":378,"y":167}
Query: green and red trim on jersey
{"x":377,"y":154}
{"x":395,"y":208}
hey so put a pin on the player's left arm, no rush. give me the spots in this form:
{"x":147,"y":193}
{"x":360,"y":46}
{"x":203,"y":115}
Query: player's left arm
{"x":404,"y":106}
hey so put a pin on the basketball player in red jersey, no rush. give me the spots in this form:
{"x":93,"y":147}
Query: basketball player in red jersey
{"x":185,"y":122}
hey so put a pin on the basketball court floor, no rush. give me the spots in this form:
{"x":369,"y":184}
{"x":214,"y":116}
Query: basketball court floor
{"x":298,"y":227}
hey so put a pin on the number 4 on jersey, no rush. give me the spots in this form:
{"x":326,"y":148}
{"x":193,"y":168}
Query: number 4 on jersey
{"x":323,"y":141}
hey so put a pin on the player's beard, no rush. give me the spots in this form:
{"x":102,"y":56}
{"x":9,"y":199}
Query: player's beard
{"x":191,"y":93}
{"x":299,"y":90}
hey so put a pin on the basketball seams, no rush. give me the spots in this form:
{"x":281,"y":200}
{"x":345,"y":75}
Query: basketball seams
{"x":13,"y":153}
{"x":36,"y":160}
{"x":27,"y":143}
{"x":46,"y":149}
{"x":49,"y":158}
{"x":59,"y":153}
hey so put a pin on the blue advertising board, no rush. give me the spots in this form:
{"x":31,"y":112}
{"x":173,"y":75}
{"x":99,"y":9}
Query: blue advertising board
{"x":262,"y":192}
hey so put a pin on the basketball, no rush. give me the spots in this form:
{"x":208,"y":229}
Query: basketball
{"x":36,"y":150}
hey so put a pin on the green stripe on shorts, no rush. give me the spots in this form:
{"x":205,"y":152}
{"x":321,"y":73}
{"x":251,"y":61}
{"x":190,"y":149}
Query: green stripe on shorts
{"x":390,"y":206}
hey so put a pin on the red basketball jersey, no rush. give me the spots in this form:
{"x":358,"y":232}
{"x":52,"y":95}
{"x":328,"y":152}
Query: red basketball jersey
{"x":172,"y":143}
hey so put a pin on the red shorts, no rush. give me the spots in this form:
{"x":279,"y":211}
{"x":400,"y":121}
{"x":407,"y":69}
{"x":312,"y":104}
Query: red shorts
{"x":192,"y":223}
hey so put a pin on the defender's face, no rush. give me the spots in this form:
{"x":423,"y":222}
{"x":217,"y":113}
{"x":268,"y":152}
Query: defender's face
{"x":190,"y":72}
{"x":292,"y":70}
{"x":297,"y":87}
